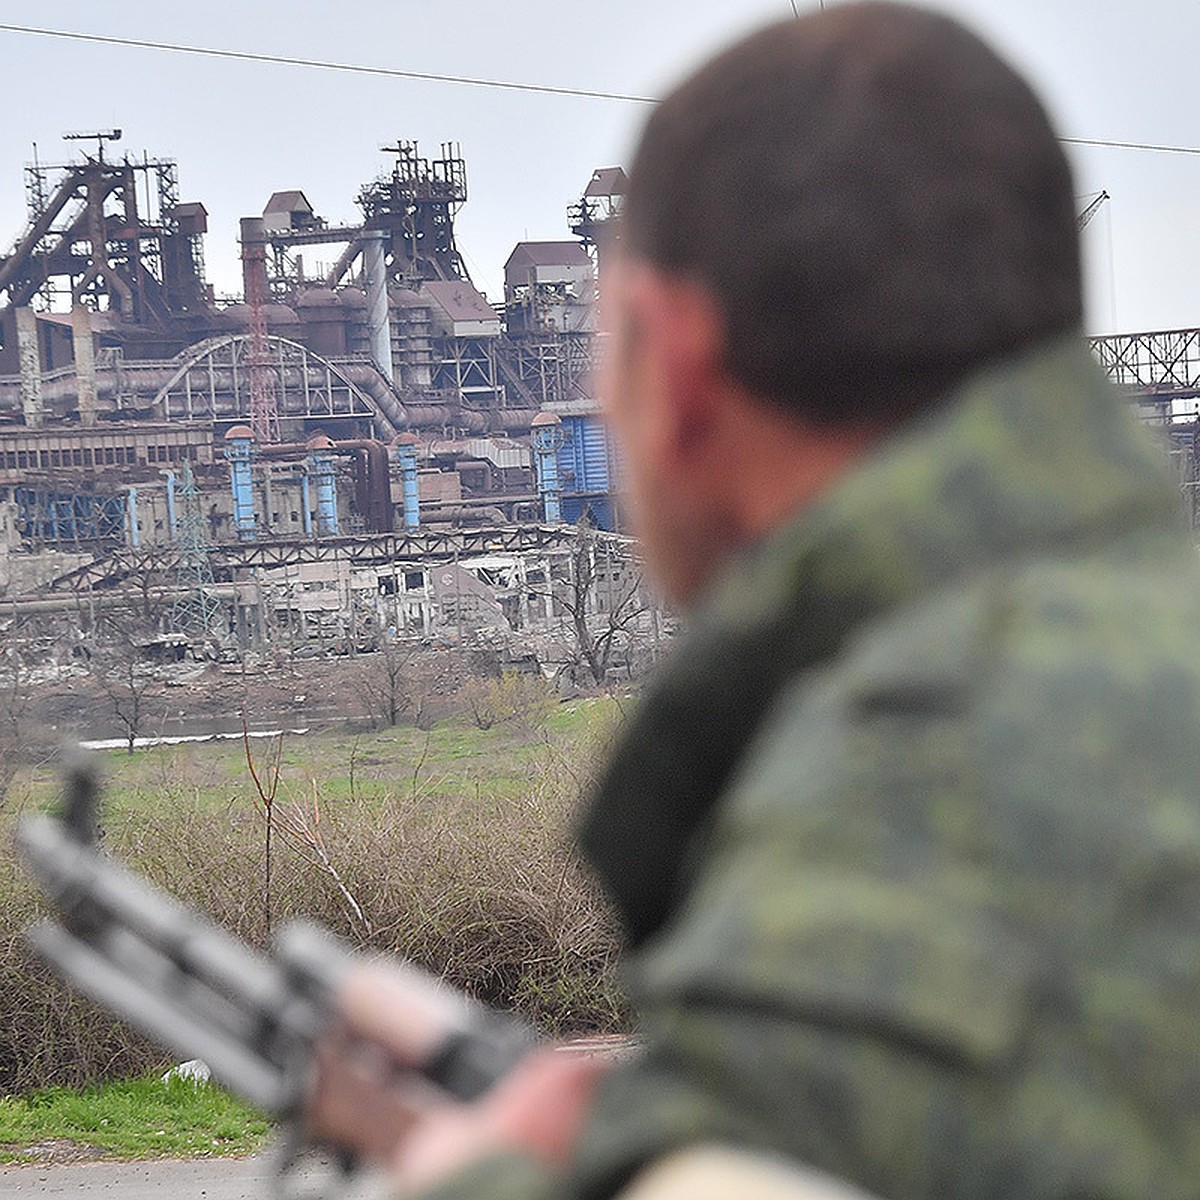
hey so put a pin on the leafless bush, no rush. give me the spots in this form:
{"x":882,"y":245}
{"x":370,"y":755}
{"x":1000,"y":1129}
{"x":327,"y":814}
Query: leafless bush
{"x":525,"y":701}
{"x":480,"y":889}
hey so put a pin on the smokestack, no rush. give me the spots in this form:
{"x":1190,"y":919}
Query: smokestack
{"x":379,"y":323}
{"x":254,"y":258}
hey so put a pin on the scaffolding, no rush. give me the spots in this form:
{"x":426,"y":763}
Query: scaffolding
{"x":196,"y":609}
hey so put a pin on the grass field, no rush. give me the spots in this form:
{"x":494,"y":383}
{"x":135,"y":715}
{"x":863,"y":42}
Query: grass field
{"x":451,"y":844}
{"x":453,"y":755}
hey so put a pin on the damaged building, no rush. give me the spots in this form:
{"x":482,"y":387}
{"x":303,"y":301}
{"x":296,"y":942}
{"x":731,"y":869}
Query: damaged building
{"x":377,"y":411}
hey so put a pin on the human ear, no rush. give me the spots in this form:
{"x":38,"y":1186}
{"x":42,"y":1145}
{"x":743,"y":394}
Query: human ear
{"x":683,"y":329}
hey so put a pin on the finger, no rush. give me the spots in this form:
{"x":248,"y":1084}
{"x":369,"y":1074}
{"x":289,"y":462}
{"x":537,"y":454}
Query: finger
{"x":402,"y":1010}
{"x":360,"y":1100}
{"x":538,"y":1109}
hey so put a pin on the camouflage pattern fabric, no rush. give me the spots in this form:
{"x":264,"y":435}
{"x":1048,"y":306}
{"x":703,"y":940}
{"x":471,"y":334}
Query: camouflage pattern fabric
{"x":907,"y":835}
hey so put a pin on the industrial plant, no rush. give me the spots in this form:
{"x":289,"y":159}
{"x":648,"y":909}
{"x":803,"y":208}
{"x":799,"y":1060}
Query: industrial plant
{"x":363,"y":448}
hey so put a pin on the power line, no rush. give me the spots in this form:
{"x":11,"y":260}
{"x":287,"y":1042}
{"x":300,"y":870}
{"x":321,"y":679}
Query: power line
{"x":1110,"y":145}
{"x":321,"y":64}
{"x":467,"y":80}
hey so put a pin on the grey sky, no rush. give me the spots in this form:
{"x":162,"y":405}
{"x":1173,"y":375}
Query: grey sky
{"x":240,"y":131}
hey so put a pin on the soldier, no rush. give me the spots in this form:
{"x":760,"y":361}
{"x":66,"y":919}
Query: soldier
{"x":906,"y":838}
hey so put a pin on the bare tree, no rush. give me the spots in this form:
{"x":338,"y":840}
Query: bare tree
{"x":118,"y":664}
{"x":127,"y":683}
{"x":14,"y":704}
{"x":384,"y":678}
{"x":604,"y":599}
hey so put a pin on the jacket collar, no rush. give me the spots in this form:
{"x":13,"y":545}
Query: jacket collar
{"x":1035,"y":453}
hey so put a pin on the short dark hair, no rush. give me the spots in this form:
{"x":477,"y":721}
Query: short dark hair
{"x":876,"y":200}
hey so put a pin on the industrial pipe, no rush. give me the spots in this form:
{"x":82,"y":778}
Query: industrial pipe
{"x":374,"y":492}
{"x":239,"y":450}
{"x":131,"y":508}
{"x":405,"y":447}
{"x":379,"y":324}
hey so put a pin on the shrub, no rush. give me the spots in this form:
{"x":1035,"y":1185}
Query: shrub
{"x":524,"y":701}
{"x":482,"y":890}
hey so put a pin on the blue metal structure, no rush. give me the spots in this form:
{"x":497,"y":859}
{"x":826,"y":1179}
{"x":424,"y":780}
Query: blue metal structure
{"x":171,"y":521}
{"x":585,"y":470}
{"x":546,"y":436}
{"x":306,"y":503}
{"x":405,"y":446}
{"x":240,"y":453}
{"x":321,"y":469}
{"x":46,"y":517}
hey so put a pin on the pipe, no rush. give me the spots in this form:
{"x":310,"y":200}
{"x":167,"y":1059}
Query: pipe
{"x":406,"y":454}
{"x":379,"y":324}
{"x":392,"y":412}
{"x":240,"y":453}
{"x":171,"y":526}
{"x":306,"y":503}
{"x":468,"y":516}
{"x":135,"y":539}
{"x":107,"y":599}
{"x":144,"y":381}
{"x":374,"y":483}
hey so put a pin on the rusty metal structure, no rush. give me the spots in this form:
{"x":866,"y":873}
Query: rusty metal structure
{"x":118,"y":367}
{"x":372,"y":445}
{"x":331,"y":409}
{"x":89,"y":238}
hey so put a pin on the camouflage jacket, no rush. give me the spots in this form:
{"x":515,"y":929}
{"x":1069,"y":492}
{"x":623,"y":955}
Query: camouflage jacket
{"x":907,"y":835}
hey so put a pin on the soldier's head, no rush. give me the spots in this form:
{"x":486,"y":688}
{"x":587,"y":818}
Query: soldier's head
{"x":834,"y":220}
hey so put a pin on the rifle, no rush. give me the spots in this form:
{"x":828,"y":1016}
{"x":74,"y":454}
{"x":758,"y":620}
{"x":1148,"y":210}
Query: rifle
{"x":253,"y":1018}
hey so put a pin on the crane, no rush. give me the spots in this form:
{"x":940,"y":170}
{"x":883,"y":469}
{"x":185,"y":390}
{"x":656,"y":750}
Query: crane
{"x":1081,"y":221}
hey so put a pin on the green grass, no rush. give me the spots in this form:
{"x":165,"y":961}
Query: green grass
{"x":453,"y":841}
{"x":454,"y":756}
{"x":139,"y":1118}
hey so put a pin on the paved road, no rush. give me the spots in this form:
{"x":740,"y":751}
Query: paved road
{"x":177,"y":1179}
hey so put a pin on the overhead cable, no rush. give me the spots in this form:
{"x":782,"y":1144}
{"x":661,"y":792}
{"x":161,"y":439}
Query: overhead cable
{"x":324,"y":65}
{"x":1111,"y":145}
{"x":467,"y":80}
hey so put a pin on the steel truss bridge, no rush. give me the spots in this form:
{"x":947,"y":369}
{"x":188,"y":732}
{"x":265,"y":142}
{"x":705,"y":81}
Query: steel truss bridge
{"x":159,"y":564}
{"x":1162,"y":366}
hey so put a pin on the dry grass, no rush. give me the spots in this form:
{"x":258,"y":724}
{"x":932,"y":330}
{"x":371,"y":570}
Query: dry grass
{"x":476,"y":884}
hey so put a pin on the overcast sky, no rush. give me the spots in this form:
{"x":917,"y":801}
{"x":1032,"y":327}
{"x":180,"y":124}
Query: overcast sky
{"x":240,"y":131}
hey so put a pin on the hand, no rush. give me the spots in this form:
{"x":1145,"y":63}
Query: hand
{"x":367,"y":1096}
{"x":537,"y":1109}
{"x":366,"y":1091}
